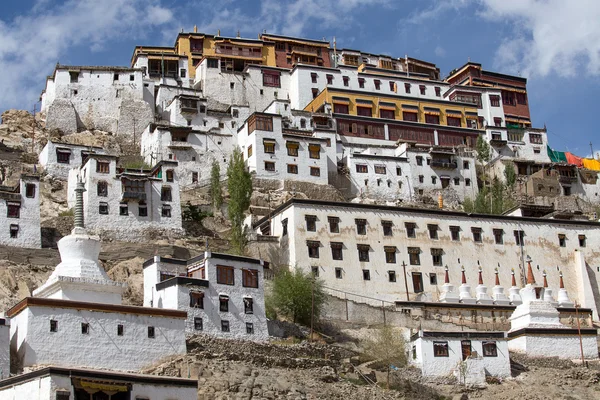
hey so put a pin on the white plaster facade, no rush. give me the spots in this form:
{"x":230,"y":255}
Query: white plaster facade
{"x":4,"y":348}
{"x":105,"y":98}
{"x":296,"y":152}
{"x":171,"y":284}
{"x":52,"y":382}
{"x":20,"y":213}
{"x":439,"y":354}
{"x":57,"y":159}
{"x":577,"y":259}
{"x":117,"y":210}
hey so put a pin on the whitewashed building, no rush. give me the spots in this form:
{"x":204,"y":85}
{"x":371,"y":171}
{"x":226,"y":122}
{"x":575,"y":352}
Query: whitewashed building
{"x":374,"y":250}
{"x":20,"y":213}
{"x":128,"y":203}
{"x":470,"y":356}
{"x":94,"y":97}
{"x":57,"y":158}
{"x":222,"y":294}
{"x":4,"y":348}
{"x":59,"y":383}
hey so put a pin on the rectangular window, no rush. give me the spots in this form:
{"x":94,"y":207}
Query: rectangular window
{"x":390,"y":254}
{"x":393,"y":87}
{"x":102,"y":188}
{"x":315,"y":171}
{"x":562,"y":240}
{"x":361,"y":226}
{"x":380,"y":169}
{"x":102,"y":167}
{"x":165,"y":194}
{"x":508,"y":98}
{"x":363,"y":252}
{"x":340,"y":108}
{"x":422,"y":89}
{"x":499,"y":236}
{"x":334,"y":224}
{"x":13,"y":210}
{"x":432,"y":119}
{"x":497,"y":121}
{"x":224,"y":326}
{"x":519,"y":235}
{"x":30,"y":190}
{"x":455,"y":233}
{"x":196,"y":300}
{"x":123,"y":209}
{"x":249,"y":328}
{"x":364,"y":111}
{"x":292,"y":169}
{"x":315,"y":271}
{"x":225,"y":275}
{"x":494,"y":100}
{"x":477,"y":238}
{"x":223,"y":303}
{"x":440,"y":349}
{"x":417,"y":280}
{"x":249,"y":151}
{"x":336,"y":250}
{"x":269,"y":146}
{"x":433,"y":231}
{"x":151,"y":333}
{"x":432,"y":279}
{"x":292,"y":148}
{"x":535,"y":138}
{"x":53,"y":325}
{"x":313,"y":77}
{"x":329,"y":79}
{"x":582,"y":240}
{"x":198,"y":324}
{"x":313,"y":248}
{"x":490,"y":349}
{"x":264,"y":124}
{"x":142,"y":209}
{"x":85,"y":328}
{"x":362,"y":168}
{"x":311,"y":223}
{"x":269,"y":166}
{"x":409,"y":116}
{"x":438,"y":91}
{"x":414,"y":255}
{"x":366,"y":275}
{"x":166,"y":211}
{"x":250,"y":278}
{"x":194,"y":177}
{"x":387,"y":228}
{"x":248,"y":305}
{"x":314,"y":151}
{"x":63,"y":156}
{"x":387,"y":114}
{"x":338,"y":273}
{"x":453,"y":121}
{"x":411,"y":229}
{"x":14,"y":231}
{"x":212,"y":63}
{"x":391,"y":276}
{"x":170,"y":175}
{"x":436,"y":257}
{"x":419,"y":160}
{"x":120,"y":330}
{"x":377,"y":84}
{"x":407,"y":87}
{"x":271,"y":79}
{"x":346,"y":80}
{"x":361,"y":83}
{"x":103,"y":208}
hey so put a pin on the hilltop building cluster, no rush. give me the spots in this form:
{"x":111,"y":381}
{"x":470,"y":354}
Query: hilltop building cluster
{"x":389,"y":133}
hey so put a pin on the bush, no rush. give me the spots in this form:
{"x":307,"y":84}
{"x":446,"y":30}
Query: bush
{"x":294,"y":292}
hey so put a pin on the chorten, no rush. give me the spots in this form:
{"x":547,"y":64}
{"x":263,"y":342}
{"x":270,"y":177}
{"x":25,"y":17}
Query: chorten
{"x":464,"y":290}
{"x":498,"y":292}
{"x":481,"y":291}
{"x":563,"y":296}
{"x":513,"y":292}
{"x":79,"y":276}
{"x":548,"y":292}
{"x":448,"y":294}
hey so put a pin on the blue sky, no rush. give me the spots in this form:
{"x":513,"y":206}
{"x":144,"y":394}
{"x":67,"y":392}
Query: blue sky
{"x":554,"y":43}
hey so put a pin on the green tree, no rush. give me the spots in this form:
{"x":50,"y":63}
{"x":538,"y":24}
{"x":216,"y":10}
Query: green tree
{"x":239,"y":185}
{"x":387,"y":346}
{"x":294,"y":294}
{"x":215,"y":191}
{"x":483,"y":150}
{"x":510,"y":174}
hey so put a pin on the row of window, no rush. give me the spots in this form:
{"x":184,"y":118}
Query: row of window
{"x":292,"y":169}
{"x":165,"y":210}
{"x":416,"y":277}
{"x":433,"y":229}
{"x":197,"y":300}
{"x":225,"y":327}
{"x":85,"y":328}
{"x":440,"y":349}
{"x":225,"y":276}
{"x":314,"y":150}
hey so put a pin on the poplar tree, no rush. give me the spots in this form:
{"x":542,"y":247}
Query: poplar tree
{"x":239,"y":184}
{"x":215,"y":190}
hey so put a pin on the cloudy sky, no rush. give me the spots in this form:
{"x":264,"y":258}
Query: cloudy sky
{"x":554,"y":43}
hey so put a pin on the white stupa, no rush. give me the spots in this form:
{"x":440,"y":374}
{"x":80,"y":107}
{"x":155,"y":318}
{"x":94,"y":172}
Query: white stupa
{"x":498,"y":293}
{"x":79,"y":276}
{"x":536,"y":330}
{"x":464,"y":290}
{"x":481,"y":291}
{"x":563,"y":296}
{"x":448,"y":294}
{"x":548,"y":294}
{"x":513,"y":293}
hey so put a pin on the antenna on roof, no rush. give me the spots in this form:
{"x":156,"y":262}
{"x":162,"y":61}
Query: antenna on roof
{"x":238,"y":33}
{"x":218,"y":32}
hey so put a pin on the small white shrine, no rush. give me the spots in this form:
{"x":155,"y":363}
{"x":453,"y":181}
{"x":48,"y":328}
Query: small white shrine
{"x":536,"y":329}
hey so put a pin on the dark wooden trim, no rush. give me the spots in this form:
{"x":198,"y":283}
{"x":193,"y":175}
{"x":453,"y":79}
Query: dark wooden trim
{"x":181,"y":280}
{"x":553,"y":332}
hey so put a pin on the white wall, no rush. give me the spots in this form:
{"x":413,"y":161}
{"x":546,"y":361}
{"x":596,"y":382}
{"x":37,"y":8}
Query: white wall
{"x":4,"y":349}
{"x":102,"y":347}
{"x":562,"y":346}
{"x":48,"y":158}
{"x":29,"y":234}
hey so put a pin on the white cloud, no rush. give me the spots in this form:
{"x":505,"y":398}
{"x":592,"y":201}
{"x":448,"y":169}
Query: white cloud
{"x":549,"y":36}
{"x":32,"y":43}
{"x":439,"y":51}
